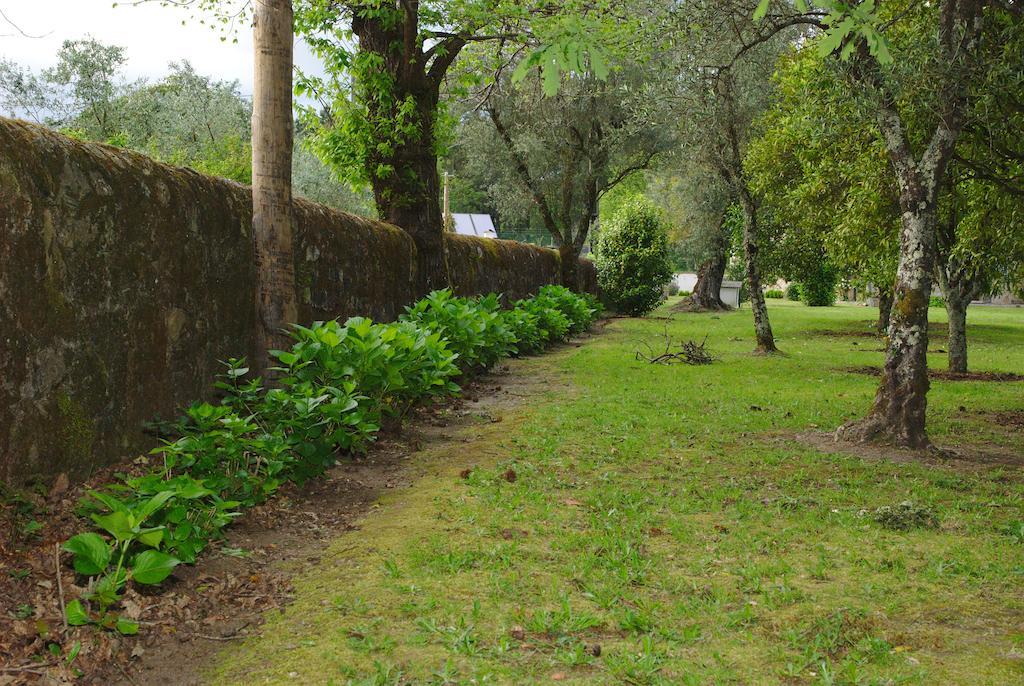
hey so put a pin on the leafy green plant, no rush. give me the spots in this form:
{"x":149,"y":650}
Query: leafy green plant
{"x":552,"y":325}
{"x":818,"y":287}
{"x":773,"y":294}
{"x":580,"y":310}
{"x":333,"y":386}
{"x":793,"y":291}
{"x":474,"y":329}
{"x":131,"y":554}
{"x":632,"y":258}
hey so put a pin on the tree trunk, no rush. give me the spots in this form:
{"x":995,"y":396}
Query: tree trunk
{"x":956,"y":309}
{"x":898,"y":413}
{"x":403,"y":173}
{"x":271,"y":177}
{"x":958,"y":290}
{"x":899,"y":410}
{"x":762,"y":325}
{"x":569,"y":258}
{"x":707,"y":292}
{"x":410,"y":201}
{"x":884,"y":309}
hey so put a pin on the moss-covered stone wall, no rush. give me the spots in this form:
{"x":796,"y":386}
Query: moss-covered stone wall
{"x":124,"y":282}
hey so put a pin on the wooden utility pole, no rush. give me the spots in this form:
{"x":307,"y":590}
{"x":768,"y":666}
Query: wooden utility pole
{"x":272,"y":134}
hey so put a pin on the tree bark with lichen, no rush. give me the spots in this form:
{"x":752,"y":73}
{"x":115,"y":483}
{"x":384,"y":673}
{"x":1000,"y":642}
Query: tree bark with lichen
{"x":898,"y":413}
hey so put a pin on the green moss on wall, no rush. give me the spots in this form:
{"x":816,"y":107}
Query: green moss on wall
{"x":76,"y":432}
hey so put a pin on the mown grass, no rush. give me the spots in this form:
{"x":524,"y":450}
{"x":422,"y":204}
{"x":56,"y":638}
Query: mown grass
{"x":665,"y":518}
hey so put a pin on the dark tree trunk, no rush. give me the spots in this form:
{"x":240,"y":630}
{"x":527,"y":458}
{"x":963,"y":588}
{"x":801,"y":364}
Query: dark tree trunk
{"x":884,"y":309}
{"x":275,"y":304}
{"x":411,"y":202}
{"x":569,"y":258}
{"x":407,"y":193}
{"x":762,"y":325}
{"x":707,"y":292}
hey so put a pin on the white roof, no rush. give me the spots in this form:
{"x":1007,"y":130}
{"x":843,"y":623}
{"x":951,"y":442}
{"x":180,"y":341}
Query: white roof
{"x":475,"y":225}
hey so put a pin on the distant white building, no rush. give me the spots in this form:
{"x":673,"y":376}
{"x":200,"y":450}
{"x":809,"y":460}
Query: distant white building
{"x":474,"y":225}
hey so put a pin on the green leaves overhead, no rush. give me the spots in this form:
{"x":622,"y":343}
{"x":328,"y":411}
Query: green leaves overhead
{"x":844,"y":24}
{"x":570,"y":56}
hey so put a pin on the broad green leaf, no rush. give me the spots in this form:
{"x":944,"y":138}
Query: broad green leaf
{"x":761,"y":11}
{"x":152,"y":537}
{"x":152,"y":566}
{"x":117,"y":524}
{"x":76,"y":614}
{"x":152,"y":505}
{"x":112,"y":503}
{"x":127,"y":627}
{"x":92,"y":553}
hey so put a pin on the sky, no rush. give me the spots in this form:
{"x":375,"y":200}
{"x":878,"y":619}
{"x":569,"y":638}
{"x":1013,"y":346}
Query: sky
{"x":153,"y":36}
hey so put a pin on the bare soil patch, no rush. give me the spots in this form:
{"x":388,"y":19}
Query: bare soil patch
{"x":966,"y":457}
{"x":945,"y":375}
{"x":846,"y":333}
{"x":1010,"y":420}
{"x":225,"y":595}
{"x":688,"y":305}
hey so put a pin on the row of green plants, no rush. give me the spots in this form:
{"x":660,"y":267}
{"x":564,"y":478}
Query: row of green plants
{"x":333,"y":389}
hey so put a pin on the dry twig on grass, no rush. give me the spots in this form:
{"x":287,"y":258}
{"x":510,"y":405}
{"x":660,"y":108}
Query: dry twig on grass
{"x":687,"y":352}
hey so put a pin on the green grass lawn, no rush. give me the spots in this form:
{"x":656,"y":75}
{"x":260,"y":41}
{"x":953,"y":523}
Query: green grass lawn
{"x":665,"y":527}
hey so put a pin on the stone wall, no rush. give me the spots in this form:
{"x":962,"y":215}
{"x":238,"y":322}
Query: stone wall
{"x":124,"y":282}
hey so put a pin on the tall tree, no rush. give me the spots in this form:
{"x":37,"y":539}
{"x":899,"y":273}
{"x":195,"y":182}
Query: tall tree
{"x":569,"y":149}
{"x":946,"y":61}
{"x":272,"y":139}
{"x":387,"y":62}
{"x":720,"y":96}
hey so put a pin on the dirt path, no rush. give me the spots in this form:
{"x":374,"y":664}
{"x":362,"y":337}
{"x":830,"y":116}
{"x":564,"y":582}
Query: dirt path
{"x":227,"y":595}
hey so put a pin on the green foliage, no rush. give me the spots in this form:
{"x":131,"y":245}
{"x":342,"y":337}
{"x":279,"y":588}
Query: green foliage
{"x":818,"y":288}
{"x":793,"y":291}
{"x":773,"y":294}
{"x":392,"y":365}
{"x":632,"y":258}
{"x":936,"y":301}
{"x":580,"y":310}
{"x":333,"y":386}
{"x":474,"y":328}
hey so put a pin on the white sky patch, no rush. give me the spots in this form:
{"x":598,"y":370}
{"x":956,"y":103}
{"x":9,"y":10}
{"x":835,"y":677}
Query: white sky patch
{"x":153,"y":36}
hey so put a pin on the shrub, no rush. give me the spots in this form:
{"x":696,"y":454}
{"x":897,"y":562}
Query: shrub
{"x":474,"y":329}
{"x":936,"y":301}
{"x":793,"y":291}
{"x":580,"y":310}
{"x":819,"y":288}
{"x":392,"y":365}
{"x":671,"y":289}
{"x":632,"y":258}
{"x":773,"y":294}
{"x":905,"y":516}
{"x":552,"y":324}
{"x":525,"y":326}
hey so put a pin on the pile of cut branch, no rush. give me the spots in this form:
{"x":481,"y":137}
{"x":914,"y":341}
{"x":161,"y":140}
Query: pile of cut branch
{"x":686,"y":352}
